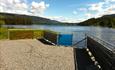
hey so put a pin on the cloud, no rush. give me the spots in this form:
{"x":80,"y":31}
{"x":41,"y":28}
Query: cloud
{"x":101,"y":8}
{"x":89,"y":15}
{"x":58,"y":18}
{"x":14,"y":6}
{"x":109,"y":10}
{"x":96,"y":7}
{"x":65,"y":19}
{"x":39,"y":7}
{"x":22,"y":7}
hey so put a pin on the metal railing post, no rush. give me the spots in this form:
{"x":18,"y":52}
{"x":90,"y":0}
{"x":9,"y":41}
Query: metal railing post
{"x":85,"y":40}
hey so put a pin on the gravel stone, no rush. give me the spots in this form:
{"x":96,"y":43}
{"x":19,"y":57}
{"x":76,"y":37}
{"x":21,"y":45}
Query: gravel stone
{"x":31,"y":54}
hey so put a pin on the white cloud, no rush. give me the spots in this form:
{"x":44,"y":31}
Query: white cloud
{"x":21,"y":7}
{"x":65,"y":19}
{"x":109,"y":10}
{"x":1,"y":9}
{"x":89,"y":15}
{"x":96,"y":7}
{"x":13,"y":6}
{"x":101,"y":8}
{"x":39,"y":7}
{"x":58,"y":18}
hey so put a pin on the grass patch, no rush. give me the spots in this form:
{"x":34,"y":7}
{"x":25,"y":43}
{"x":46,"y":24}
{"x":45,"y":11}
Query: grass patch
{"x":38,"y":34}
{"x":20,"y":34}
{"x":15,"y":34}
{"x":3,"y":33}
{"x":25,"y":34}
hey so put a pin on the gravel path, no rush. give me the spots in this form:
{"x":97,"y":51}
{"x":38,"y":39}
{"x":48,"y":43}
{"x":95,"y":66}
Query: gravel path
{"x":33,"y":55}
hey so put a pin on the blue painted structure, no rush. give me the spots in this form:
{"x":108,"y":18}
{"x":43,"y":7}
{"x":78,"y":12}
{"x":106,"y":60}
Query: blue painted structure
{"x":65,"y":39}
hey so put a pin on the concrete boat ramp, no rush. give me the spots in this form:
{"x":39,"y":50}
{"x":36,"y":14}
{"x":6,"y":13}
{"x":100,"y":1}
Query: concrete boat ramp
{"x":31,"y":54}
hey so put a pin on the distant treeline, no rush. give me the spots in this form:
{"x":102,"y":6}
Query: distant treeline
{"x":15,"y":19}
{"x":104,"y":21}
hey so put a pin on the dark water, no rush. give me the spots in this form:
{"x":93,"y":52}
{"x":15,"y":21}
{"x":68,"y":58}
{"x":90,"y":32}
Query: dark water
{"x":106,"y":34}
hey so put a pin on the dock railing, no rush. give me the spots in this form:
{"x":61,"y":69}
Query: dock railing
{"x":106,"y":44}
{"x":103,"y":51}
{"x":79,"y":39}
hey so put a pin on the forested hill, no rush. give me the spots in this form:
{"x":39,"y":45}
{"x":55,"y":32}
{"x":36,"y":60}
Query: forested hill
{"x":17,"y":19}
{"x":105,"y":21}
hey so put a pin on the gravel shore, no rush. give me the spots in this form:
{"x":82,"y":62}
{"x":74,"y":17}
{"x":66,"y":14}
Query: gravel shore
{"x":33,"y":55}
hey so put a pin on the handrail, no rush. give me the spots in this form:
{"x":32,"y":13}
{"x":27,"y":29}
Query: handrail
{"x":107,"y":45}
{"x":79,"y":41}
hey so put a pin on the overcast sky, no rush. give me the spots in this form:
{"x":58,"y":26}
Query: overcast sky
{"x":61,"y":10}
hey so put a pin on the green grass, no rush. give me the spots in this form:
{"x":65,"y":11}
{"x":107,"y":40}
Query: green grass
{"x":38,"y":34}
{"x":25,"y":34}
{"x":16,"y":33}
{"x":3,"y":33}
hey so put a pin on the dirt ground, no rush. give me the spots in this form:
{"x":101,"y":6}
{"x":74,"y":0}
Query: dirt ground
{"x":34,"y":55}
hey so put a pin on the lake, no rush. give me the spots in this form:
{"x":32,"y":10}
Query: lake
{"x":106,"y":34}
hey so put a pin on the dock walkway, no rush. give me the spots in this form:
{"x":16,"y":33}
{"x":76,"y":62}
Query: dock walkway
{"x":33,"y":55}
